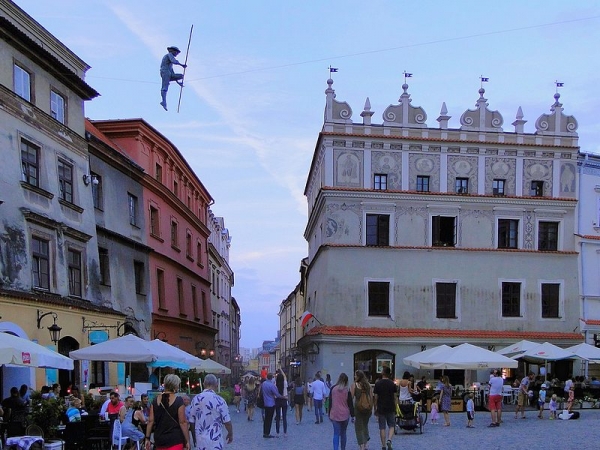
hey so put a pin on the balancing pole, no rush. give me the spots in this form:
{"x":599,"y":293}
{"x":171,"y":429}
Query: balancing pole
{"x":185,"y":63}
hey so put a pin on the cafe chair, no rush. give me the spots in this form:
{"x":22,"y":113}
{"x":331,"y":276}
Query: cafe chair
{"x":74,"y":436}
{"x":117,"y":436}
{"x":34,"y":430}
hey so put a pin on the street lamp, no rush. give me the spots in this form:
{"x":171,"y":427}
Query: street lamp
{"x":53,"y":329}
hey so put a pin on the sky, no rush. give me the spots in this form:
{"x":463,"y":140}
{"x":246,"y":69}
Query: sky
{"x":254,"y":98}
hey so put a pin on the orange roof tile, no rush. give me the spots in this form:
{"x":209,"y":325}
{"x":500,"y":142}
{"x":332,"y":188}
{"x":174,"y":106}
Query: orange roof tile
{"x":328,"y":330}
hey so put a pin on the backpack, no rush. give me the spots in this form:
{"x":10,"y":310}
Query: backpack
{"x":363,"y":404}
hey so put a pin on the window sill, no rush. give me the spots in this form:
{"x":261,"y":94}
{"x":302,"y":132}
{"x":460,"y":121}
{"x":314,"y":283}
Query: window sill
{"x":37,"y":190}
{"x":134,"y":225}
{"x":70,"y":205}
{"x":157,"y":237}
{"x":177,"y":249}
{"x":189,"y":258}
{"x":163,"y":309}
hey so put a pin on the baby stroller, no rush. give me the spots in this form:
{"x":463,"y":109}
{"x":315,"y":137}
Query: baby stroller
{"x":410,"y":416}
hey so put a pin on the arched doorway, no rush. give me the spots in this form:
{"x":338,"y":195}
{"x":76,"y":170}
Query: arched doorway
{"x":67,"y":377}
{"x":371,"y":363}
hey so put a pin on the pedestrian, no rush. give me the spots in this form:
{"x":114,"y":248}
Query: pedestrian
{"x":309,"y":394}
{"x":363,"y":409}
{"x":209,"y":414}
{"x":435,"y":410}
{"x":251,"y":392}
{"x":385,"y":401}
{"x":446,"y":399}
{"x":542,"y":400}
{"x":281,"y":403}
{"x":553,"y":406}
{"x":270,"y":393}
{"x":237,"y":396}
{"x":167,"y":74}
{"x":470,"y":411}
{"x":495,"y":398}
{"x":167,"y":418}
{"x":523,"y":395}
{"x":318,"y":388}
{"x":341,"y":408}
{"x":571,"y":398}
{"x":326,"y":393}
{"x":299,"y":395}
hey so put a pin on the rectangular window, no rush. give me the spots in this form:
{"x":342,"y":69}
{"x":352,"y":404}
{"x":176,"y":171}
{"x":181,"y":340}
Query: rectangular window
{"x":422,"y":183}
{"x":461,"y":185}
{"x":180,"y":296}
{"x":65,"y":180}
{"x":445,"y":296}
{"x":158,"y":172}
{"x":498,"y":186}
{"x":511,"y":299}
{"x":104,"y":264}
{"x":188,"y":244}
{"x":74,"y":261}
{"x":379,"y":298}
{"x":22,"y":82}
{"x":550,"y":300}
{"x":174,"y":234}
{"x":57,"y":106}
{"x":443,"y":232}
{"x":132,"y":201}
{"x":199,"y":253}
{"x":205,"y":313}
{"x":537,"y":188}
{"x":154,"y":222}
{"x":195,"y":303}
{"x":160,"y":286}
{"x":40,"y":263}
{"x":378,"y":229}
{"x":30,"y":163}
{"x":138,"y":272}
{"x":97,"y":373}
{"x":97,"y":190}
{"x":508,"y":233}
{"x":548,"y":236}
{"x":380,"y":182}
{"x":176,"y":188}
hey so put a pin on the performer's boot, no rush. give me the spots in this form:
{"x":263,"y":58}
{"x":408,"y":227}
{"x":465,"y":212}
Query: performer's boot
{"x":163,"y":94}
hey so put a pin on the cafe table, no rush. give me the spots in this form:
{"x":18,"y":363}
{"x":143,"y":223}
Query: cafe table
{"x":23,"y":442}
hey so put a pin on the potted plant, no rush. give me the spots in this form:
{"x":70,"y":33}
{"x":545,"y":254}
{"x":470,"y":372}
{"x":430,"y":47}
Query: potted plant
{"x":47,"y":414}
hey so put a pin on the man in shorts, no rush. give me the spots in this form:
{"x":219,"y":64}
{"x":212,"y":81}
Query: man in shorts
{"x":495,"y":398}
{"x":385,"y":400}
{"x":523,"y":395}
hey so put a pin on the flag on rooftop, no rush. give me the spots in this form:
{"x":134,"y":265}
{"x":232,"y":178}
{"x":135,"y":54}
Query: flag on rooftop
{"x":407,"y":75}
{"x":484,"y":79}
{"x":306,"y":316}
{"x":559,"y":84}
{"x":332,"y":69}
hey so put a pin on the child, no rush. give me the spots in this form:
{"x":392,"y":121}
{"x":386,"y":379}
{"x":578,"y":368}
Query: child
{"x":435,"y":409}
{"x":470,"y":411}
{"x":571,"y":398}
{"x":542,"y":400}
{"x":553,"y":406}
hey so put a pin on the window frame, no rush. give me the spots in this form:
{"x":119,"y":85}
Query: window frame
{"x":439,"y":296}
{"x":28,"y":85}
{"x":66,"y":188}
{"x":559,"y":299}
{"x":75,"y":271}
{"x":161,"y":289}
{"x":423,"y":183}
{"x":36,"y":257}
{"x":436,"y":230}
{"x":536,"y":188}
{"x":154,"y":221}
{"x":174,"y":233}
{"x":62,"y":109}
{"x":544,"y":238}
{"x":501,"y":237}
{"x":180,"y":296}
{"x":381,"y":230}
{"x":520,"y":291}
{"x":373,"y":283}
{"x":139,"y":269}
{"x":380,"y":181}
{"x":461,"y":185}
{"x":104,"y":265}
{"x":499,"y":189}
{"x":97,"y":192}
{"x":132,"y":205}
{"x":27,"y":165}
{"x":158,"y":173}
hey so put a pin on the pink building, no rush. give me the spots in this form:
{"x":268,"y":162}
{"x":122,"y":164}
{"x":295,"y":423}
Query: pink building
{"x":174,"y":208}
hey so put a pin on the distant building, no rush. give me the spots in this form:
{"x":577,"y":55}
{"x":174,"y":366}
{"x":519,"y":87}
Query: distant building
{"x":420,"y":236}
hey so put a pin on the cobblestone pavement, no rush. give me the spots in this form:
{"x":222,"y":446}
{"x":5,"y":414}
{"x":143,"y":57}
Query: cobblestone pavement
{"x":530,"y":434}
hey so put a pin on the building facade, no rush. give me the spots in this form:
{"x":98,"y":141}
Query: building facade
{"x":424,"y":235}
{"x":172,"y":212}
{"x":48,"y":246}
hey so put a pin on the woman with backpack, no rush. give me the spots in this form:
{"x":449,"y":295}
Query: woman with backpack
{"x":363,"y":407}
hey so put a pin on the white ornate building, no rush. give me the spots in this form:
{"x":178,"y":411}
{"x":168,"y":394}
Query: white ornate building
{"x":423,"y":235}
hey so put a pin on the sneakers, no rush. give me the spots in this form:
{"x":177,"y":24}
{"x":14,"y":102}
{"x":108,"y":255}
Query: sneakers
{"x":389,"y":445}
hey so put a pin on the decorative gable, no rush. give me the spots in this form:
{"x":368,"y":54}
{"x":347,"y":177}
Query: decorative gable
{"x":481,"y":118}
{"x":404,"y":114}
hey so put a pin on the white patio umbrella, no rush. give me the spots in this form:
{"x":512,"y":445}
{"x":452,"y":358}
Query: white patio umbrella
{"x":210,"y":366}
{"x":172,"y":356}
{"x":467,"y":356}
{"x":422,"y":359}
{"x":22,"y":352}
{"x":517,"y":347}
{"x":585,"y":351}
{"x":542,"y":353}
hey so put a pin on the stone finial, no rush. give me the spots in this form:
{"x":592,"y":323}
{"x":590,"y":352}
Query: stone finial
{"x":336,"y":112}
{"x":367,"y":113}
{"x":481,"y":118}
{"x":519,"y":123}
{"x":444,"y":117}
{"x":556,"y":123}
{"x":404,"y":114}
